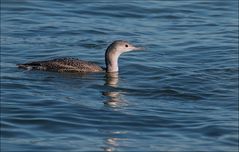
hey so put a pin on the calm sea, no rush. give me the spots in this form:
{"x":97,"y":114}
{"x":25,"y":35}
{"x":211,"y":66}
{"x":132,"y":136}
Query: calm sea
{"x":180,"y":94}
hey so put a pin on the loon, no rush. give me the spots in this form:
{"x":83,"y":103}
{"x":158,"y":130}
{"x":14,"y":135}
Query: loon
{"x":112,"y":54}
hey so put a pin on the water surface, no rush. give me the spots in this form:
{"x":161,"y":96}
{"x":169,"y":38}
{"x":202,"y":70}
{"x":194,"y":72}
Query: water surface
{"x":180,"y":94}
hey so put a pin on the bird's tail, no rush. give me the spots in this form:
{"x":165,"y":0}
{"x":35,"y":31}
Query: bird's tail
{"x":29,"y":66}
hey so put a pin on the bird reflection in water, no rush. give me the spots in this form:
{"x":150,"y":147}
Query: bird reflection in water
{"x":113,"y":143}
{"x":114,"y":96}
{"x":114,"y":100}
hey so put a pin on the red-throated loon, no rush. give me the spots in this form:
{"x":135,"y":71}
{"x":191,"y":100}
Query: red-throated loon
{"x":112,"y":54}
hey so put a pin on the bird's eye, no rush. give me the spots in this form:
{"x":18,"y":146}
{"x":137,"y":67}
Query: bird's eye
{"x":126,"y":45}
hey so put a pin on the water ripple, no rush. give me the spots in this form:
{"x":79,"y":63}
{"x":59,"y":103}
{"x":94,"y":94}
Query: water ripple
{"x":180,"y":94}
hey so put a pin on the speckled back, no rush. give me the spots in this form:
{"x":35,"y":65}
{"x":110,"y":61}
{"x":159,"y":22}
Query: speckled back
{"x":65,"y":65}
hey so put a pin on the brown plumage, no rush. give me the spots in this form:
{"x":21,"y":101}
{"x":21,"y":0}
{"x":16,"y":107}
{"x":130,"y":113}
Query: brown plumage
{"x":63,"y":65}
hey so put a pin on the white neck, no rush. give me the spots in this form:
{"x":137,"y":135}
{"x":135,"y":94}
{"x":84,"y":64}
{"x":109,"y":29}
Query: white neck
{"x":111,"y":61}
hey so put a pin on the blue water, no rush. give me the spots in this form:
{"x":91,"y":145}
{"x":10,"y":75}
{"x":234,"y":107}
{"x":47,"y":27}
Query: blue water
{"x":180,"y":94}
